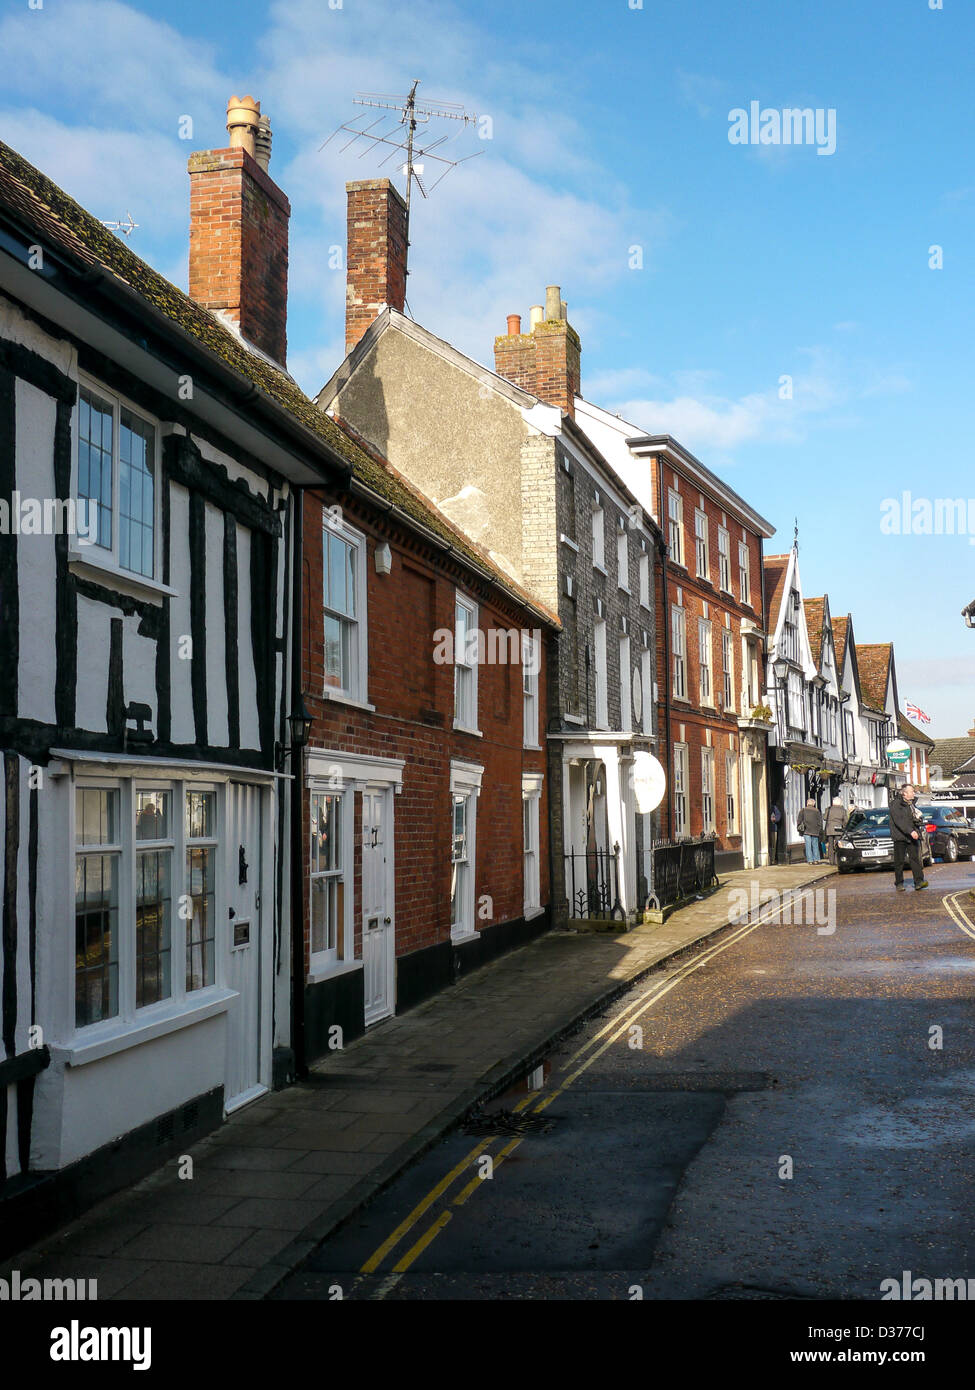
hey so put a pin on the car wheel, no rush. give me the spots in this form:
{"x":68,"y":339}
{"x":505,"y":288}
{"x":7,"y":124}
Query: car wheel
{"x":951,"y":851}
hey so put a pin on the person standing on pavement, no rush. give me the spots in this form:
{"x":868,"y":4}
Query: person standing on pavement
{"x":835,"y":821}
{"x":905,"y":831}
{"x":810,"y":826}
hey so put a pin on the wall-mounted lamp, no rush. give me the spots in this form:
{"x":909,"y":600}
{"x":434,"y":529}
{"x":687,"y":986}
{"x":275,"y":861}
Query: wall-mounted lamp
{"x":299,"y":725}
{"x":384,"y":559}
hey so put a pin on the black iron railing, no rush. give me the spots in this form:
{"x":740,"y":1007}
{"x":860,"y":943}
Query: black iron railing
{"x":592,"y":883}
{"x":680,"y":868}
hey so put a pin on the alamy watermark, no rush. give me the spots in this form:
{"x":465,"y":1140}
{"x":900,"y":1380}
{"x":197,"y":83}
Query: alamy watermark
{"x":495,"y":646}
{"x":801,"y":907}
{"x":908,"y":515}
{"x":793,"y":125}
{"x":49,"y":516}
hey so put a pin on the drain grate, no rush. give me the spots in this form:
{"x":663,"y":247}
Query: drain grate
{"x":480,"y":1122}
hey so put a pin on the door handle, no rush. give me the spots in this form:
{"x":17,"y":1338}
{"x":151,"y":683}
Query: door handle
{"x":387,"y":920}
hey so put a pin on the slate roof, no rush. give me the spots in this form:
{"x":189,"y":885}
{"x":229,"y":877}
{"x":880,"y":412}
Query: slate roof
{"x":38,"y":202}
{"x":950,"y":754}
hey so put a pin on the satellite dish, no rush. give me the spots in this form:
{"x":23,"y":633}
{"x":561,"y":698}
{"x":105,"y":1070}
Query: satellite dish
{"x":649,"y":782}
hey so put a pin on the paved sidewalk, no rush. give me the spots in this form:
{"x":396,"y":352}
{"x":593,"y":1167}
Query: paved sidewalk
{"x":277,"y":1177}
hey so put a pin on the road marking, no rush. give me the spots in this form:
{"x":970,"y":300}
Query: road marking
{"x":386,"y":1287}
{"x":378,"y":1255}
{"x":422,"y":1243}
{"x":631,"y":1012}
{"x":958,"y":914}
{"x":475,"y":1183}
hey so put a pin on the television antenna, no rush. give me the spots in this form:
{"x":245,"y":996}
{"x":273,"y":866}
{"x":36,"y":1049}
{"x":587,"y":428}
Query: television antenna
{"x":126,"y":228}
{"x":410,"y":113}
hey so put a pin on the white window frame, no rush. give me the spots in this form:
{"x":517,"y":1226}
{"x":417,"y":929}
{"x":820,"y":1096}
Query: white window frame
{"x":531,"y":656}
{"x":465,"y":710}
{"x":531,"y":798}
{"x":680,"y":790}
{"x":622,"y":561}
{"x":598,"y":538}
{"x":131,"y":1018}
{"x":626,"y":686}
{"x":675,"y":527}
{"x":321,"y":962}
{"x":646,"y":681}
{"x":701,"y":544}
{"x":707,"y":789}
{"x":731,"y":792}
{"x":600,"y":674}
{"x":102,"y":557}
{"x":678,"y":651}
{"x":357,"y":690}
{"x":705,"y":661}
{"x":645,"y":580}
{"x":744,"y":573}
{"x":465,"y":782}
{"x":724,"y":559}
{"x":728,"y":667}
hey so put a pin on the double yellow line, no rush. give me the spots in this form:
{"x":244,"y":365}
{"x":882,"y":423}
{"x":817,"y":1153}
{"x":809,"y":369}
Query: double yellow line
{"x":596,"y":1046}
{"x":958,"y":915}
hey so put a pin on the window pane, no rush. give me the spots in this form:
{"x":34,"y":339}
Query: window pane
{"x":136,"y":493}
{"x":339,"y":575}
{"x":201,"y":926}
{"x":325,"y":845}
{"x":96,"y":816}
{"x":95,"y":424}
{"x":337,"y":654}
{"x":152,"y":815}
{"x":153,"y":906}
{"x":200,"y":815}
{"x":327,"y":914}
{"x":96,"y":938}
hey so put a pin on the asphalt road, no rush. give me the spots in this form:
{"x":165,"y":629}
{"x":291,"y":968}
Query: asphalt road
{"x":782,"y":1127}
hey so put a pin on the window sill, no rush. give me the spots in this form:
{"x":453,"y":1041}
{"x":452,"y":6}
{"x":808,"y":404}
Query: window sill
{"x":645,"y":603}
{"x":136,"y":585}
{"x":463,"y":729}
{"x":337,"y":698}
{"x":166,"y":1018}
{"x":459,"y":937}
{"x":532,"y":747}
{"x":532,"y":912}
{"x":573,"y":719}
{"x":624,"y":589}
{"x":602,"y":568}
{"x":330,"y":970}
{"x":566,"y":540}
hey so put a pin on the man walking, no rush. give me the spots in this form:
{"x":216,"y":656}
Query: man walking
{"x":904,"y":831}
{"x":835,"y":821}
{"x":810,"y":826}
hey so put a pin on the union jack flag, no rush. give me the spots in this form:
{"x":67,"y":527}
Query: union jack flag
{"x":917,"y":714}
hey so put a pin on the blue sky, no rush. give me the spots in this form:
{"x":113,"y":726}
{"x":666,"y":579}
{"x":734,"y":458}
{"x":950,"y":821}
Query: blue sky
{"x":610,"y":130}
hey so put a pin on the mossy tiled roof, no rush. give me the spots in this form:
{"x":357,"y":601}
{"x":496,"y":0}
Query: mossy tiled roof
{"x":60,"y":222}
{"x":873,"y":663}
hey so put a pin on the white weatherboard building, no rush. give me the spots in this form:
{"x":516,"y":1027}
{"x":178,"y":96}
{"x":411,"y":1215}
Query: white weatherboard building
{"x":144,"y":695}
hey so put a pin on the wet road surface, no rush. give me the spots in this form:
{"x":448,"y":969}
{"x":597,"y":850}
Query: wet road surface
{"x":789,"y":1113}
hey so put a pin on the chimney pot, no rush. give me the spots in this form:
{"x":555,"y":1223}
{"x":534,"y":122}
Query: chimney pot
{"x":553,"y":302}
{"x":536,"y":315}
{"x":243,"y":120}
{"x":263,"y":143}
{"x":514,"y":324}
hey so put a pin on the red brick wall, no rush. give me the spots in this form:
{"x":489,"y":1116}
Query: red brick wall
{"x":695,"y":594}
{"x":545,"y":362}
{"x":414,"y":705}
{"x":239,"y":245}
{"x":377,"y":252}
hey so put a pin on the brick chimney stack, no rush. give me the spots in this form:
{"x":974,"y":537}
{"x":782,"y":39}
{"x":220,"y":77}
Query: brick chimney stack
{"x":239,"y":232}
{"x":377,"y":253}
{"x":545,"y":360}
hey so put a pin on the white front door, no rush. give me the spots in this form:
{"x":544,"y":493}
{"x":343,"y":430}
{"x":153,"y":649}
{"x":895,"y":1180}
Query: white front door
{"x":243,"y":943}
{"x":378,"y":929}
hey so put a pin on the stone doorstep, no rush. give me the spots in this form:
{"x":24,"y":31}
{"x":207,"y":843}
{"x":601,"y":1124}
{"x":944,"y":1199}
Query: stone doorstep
{"x":491,"y":1084}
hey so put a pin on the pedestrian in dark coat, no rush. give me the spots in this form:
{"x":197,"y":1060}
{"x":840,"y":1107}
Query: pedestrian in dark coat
{"x":835,"y":821}
{"x":810,"y":826}
{"x":905,"y":831}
